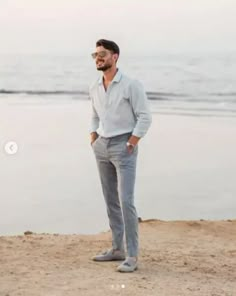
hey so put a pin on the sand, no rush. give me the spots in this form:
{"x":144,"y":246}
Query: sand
{"x":186,"y":171}
{"x":176,"y":258}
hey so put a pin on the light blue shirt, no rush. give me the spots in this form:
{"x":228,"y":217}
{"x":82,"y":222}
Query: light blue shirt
{"x":120,"y":109}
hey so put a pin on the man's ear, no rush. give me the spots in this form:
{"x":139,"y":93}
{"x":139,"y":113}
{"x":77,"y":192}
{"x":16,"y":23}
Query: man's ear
{"x":116,"y":56}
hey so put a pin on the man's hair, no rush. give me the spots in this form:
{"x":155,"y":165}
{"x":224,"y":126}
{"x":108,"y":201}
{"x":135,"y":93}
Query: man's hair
{"x":108,"y":44}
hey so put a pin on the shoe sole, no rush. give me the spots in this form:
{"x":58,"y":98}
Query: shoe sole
{"x":108,"y":259}
{"x":120,"y":270}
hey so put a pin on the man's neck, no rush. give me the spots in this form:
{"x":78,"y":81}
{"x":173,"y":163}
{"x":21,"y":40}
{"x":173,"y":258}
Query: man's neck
{"x":109,"y":74}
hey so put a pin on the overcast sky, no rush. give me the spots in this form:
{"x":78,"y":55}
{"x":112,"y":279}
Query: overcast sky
{"x":138,"y":26}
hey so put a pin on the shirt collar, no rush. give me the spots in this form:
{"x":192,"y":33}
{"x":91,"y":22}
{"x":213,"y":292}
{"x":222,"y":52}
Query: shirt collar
{"x":116,"y":78}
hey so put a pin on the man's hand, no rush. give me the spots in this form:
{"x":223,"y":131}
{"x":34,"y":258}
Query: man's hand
{"x":93,"y":138}
{"x":133,"y":140}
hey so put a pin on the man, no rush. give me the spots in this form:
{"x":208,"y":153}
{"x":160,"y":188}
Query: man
{"x":120,"y":117}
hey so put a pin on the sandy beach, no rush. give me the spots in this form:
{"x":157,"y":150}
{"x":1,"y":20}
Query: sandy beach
{"x":176,"y":258}
{"x":186,"y":173}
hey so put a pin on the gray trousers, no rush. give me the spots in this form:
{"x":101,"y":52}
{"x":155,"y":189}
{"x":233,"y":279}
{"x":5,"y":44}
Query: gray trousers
{"x":117,"y":170}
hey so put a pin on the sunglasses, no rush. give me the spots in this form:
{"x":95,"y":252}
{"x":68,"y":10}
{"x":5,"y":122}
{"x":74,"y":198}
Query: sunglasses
{"x":100,"y":54}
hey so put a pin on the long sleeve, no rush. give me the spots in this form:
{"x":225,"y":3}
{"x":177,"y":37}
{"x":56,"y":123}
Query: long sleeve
{"x":94,"y":123}
{"x":141,"y":109}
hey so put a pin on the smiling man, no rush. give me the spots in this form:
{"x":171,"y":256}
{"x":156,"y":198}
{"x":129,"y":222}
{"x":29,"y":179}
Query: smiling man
{"x":120,"y":117}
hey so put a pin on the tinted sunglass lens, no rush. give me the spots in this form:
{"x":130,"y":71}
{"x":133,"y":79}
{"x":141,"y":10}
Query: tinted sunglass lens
{"x":101,"y":54}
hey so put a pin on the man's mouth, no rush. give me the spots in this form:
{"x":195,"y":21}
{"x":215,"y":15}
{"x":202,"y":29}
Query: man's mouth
{"x":100,"y":62}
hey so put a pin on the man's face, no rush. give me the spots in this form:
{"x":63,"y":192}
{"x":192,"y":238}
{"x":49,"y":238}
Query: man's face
{"x":104,"y":58}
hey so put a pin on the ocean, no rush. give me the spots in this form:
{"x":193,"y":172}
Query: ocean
{"x":184,"y":84}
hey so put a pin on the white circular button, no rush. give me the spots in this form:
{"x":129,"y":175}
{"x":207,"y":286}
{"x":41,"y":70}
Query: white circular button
{"x":11,"y":147}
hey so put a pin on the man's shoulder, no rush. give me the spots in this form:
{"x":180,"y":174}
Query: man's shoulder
{"x":127,"y":80}
{"x":132,"y":83}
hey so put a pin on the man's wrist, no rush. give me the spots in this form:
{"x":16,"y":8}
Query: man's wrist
{"x":128,"y":144}
{"x":133,"y":140}
{"x":93,"y":134}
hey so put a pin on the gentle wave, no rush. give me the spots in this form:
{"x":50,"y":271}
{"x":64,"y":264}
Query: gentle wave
{"x":227,"y":98}
{"x":195,"y":114}
{"x":155,"y":96}
{"x":228,"y":94}
{"x":43,"y":92}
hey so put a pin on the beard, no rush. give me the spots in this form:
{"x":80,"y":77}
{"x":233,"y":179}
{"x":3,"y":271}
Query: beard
{"x":104,"y":67}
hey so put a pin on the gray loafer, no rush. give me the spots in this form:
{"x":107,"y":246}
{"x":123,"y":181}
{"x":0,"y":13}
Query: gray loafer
{"x":110,"y":255}
{"x":129,"y":265}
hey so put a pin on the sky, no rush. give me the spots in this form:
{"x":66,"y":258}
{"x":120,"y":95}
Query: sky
{"x":139,"y":27}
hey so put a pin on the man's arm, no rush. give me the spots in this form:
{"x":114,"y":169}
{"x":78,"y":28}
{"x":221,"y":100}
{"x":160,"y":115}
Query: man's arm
{"x":141,"y":109}
{"x":94,"y":125}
